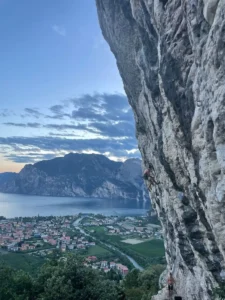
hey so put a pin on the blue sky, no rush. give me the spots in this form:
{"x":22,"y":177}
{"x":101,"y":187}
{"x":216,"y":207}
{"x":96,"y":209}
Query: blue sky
{"x":60,"y":87}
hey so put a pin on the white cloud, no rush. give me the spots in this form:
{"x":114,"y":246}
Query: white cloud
{"x":59,"y":30}
{"x":132,"y":151}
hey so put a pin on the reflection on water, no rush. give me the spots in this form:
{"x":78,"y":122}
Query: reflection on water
{"x":24,"y":205}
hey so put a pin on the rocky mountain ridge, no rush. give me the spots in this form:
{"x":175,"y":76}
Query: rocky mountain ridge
{"x":80,"y":175}
{"x":171,"y":57}
{"x":4,"y":177}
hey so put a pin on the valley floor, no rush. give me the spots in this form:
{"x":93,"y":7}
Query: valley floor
{"x":104,"y":242}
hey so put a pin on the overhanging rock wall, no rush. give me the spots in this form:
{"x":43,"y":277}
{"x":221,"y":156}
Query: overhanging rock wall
{"x":171,"y":56}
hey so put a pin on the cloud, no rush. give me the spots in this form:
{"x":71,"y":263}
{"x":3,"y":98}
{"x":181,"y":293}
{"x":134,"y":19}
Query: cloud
{"x":34,"y":112}
{"x":62,"y":126}
{"x":91,"y":114}
{"x":100,"y":114}
{"x":70,"y":126}
{"x":30,"y":158}
{"x":32,"y":125}
{"x":59,"y":127}
{"x":62,"y":134}
{"x":121,"y":129}
{"x":15,"y":124}
{"x":107,"y":114}
{"x":102,"y":108}
{"x":50,"y":143}
{"x":102,"y":123}
{"x":114,"y":146}
{"x":5,"y":113}
{"x":60,"y":30}
{"x":58,"y":112}
{"x":92,"y":108}
{"x":56,"y":109}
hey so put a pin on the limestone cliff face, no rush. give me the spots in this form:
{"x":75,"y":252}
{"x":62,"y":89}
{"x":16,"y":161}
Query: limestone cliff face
{"x":171,"y":56}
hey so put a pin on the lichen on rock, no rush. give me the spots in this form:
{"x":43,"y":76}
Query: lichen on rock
{"x":170,"y":55}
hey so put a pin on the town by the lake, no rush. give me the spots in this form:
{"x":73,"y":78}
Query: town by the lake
{"x":105,"y":243}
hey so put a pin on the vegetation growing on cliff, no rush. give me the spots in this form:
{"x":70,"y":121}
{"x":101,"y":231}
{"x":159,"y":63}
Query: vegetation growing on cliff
{"x":219,"y":293}
{"x":142,"y":285}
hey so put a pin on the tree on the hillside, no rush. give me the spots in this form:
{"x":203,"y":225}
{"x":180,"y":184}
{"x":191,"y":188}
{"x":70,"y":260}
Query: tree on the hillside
{"x":23,"y":285}
{"x":143,"y":285}
{"x":58,"y":281}
{"x":113,"y":275}
{"x":149,"y":278}
{"x":135,"y":293}
{"x":131,"y":280}
{"x":71,"y":280}
{"x":15,"y":285}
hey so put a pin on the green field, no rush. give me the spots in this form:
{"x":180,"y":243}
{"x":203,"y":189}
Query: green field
{"x":97,"y":250}
{"x":153,"y":248}
{"x":98,"y":229}
{"x":28,"y":263}
{"x":113,"y":238}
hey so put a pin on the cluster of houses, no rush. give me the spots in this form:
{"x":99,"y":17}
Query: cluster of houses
{"x":106,"y":266}
{"x":96,"y":221}
{"x":129,"y":226}
{"x":19,"y":235}
{"x":66,"y":243}
{"x":134,"y":226}
{"x":14,"y":233}
{"x":141,"y":232}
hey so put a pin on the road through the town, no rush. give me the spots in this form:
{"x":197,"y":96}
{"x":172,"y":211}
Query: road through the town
{"x":135,"y":264}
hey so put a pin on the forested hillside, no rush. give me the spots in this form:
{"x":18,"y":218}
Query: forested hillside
{"x":70,"y":279}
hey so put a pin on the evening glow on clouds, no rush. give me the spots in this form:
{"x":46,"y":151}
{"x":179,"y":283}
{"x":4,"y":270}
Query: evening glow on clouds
{"x":62,"y":90}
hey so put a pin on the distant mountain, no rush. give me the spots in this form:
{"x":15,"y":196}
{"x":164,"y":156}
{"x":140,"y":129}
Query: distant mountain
{"x":4,"y":177}
{"x":79,"y":175}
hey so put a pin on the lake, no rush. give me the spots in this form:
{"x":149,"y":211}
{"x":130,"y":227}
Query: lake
{"x":12,"y":205}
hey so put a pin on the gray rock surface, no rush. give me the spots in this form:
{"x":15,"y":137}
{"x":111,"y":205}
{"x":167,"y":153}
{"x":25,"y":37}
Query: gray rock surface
{"x":171,"y":56}
{"x":79,"y":175}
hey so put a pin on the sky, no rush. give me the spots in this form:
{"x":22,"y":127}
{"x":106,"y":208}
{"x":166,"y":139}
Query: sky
{"x":60,"y":89}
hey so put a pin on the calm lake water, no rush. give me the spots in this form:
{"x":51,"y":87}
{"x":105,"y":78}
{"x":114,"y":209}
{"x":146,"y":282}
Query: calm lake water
{"x":22,"y":205}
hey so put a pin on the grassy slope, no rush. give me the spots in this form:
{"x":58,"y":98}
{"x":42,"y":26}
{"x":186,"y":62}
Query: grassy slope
{"x":97,"y":250}
{"x":114,"y":238}
{"x":28,"y":263}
